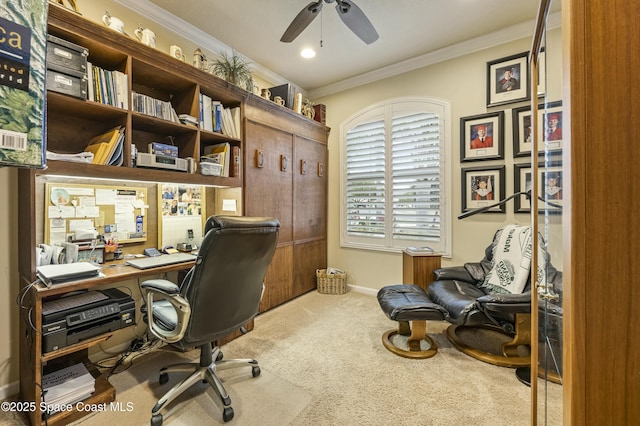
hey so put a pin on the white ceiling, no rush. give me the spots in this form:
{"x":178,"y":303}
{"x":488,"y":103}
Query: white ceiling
{"x":412,"y":33}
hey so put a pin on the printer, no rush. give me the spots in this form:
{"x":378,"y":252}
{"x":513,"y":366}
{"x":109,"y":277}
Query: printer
{"x":71,"y":319}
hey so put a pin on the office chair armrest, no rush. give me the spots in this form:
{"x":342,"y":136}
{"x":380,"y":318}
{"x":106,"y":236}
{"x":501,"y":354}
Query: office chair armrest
{"x":166,"y":290}
{"x":162,"y":286}
{"x":505,"y":303}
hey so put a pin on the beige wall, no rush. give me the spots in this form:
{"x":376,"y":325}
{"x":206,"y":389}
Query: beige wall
{"x":461,"y":81}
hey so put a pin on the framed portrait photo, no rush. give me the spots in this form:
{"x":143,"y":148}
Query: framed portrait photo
{"x":550,"y":187}
{"x":550,"y":121}
{"x":522,"y":183}
{"x":482,"y":187}
{"x":550,"y":190}
{"x":522,"y":131}
{"x":482,"y":137}
{"x":508,"y":80}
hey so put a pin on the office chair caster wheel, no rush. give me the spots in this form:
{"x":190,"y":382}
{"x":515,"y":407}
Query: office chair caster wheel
{"x":227,"y":414}
{"x":219,"y":356}
{"x":156,"y":420}
{"x":164,"y":378}
{"x":255,"y":371}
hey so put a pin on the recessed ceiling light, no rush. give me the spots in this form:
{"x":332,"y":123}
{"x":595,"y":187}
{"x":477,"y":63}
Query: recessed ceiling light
{"x":308,"y":52}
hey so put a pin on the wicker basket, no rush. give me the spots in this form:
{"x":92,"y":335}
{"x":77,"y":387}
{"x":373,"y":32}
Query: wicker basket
{"x":331,"y":283}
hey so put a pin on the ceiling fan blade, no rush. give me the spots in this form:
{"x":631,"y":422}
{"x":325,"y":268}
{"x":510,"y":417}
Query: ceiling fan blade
{"x":301,"y":21}
{"x":356,"y":20}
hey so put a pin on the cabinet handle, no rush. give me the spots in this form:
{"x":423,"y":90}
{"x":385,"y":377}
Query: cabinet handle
{"x":284,"y":163}
{"x":259,"y":158}
{"x":303,"y":167}
{"x":320,"y":169}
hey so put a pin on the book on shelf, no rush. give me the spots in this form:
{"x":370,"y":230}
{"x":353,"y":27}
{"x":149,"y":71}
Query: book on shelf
{"x":22,"y":83}
{"x":219,"y":153}
{"x":235,"y":170}
{"x":104,"y":146}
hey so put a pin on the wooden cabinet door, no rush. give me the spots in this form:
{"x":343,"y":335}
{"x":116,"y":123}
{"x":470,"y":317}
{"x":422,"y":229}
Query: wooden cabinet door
{"x":309,"y":189}
{"x":279,"y":279}
{"x":268,"y":189}
{"x":307,"y":258}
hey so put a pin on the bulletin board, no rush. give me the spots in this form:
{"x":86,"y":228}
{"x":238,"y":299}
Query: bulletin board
{"x":77,"y":210}
{"x":182,"y":209}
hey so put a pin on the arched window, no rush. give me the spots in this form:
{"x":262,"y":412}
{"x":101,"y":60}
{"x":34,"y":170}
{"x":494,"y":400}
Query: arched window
{"x":395,"y":183}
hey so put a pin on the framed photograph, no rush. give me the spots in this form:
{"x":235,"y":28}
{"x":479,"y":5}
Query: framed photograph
{"x":542,"y":73}
{"x":549,"y":126}
{"x":550,"y":189}
{"x":86,"y":253}
{"x":522,"y":183}
{"x":508,"y":80}
{"x":522,"y":131}
{"x":550,"y":121}
{"x":482,"y":137}
{"x":482,"y":187}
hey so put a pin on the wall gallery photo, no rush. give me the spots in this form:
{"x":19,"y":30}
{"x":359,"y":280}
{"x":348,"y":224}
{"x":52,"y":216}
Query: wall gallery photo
{"x":482,"y":187}
{"x":508,"y":80}
{"x":481,"y":137}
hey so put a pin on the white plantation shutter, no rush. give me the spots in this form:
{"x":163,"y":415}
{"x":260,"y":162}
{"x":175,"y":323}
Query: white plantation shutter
{"x":365,"y":179}
{"x":393,"y":186}
{"x":415,"y":166}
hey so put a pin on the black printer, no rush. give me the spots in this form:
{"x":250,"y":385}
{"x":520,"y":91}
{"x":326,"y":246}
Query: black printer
{"x":78,"y":317}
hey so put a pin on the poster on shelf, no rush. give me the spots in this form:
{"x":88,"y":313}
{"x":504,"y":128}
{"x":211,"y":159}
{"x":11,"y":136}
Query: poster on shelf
{"x":23,"y":25}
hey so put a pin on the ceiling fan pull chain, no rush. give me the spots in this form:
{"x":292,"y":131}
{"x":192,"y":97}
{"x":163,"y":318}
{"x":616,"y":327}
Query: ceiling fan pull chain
{"x":321,"y":22}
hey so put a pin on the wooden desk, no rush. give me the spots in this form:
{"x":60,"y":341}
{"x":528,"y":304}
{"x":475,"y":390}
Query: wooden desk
{"x":33,"y":361}
{"x":417,"y":268}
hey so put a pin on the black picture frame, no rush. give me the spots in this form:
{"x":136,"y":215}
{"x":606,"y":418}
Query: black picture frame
{"x":551,"y":201}
{"x":516,"y":87}
{"x":521,"y":183}
{"x":522,"y":131}
{"x":471,"y":148}
{"x":551,"y":137}
{"x":472,"y":187}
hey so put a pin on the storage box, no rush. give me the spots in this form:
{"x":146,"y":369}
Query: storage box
{"x":331,"y":283}
{"x":211,"y":169}
{"x":66,"y":57}
{"x":67,"y":84}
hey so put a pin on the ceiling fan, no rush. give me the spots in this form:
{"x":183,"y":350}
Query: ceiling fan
{"x":350,"y":14}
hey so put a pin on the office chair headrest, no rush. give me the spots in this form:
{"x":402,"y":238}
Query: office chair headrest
{"x":223,"y":222}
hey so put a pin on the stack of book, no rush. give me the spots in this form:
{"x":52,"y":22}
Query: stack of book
{"x":107,"y":147}
{"x":227,"y":156}
{"x":108,"y":87}
{"x":147,"y":105}
{"x":67,"y":386}
{"x":214,"y":117}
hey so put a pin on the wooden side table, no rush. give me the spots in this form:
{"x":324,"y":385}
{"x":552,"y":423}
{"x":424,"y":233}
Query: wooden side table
{"x":417,"y":268}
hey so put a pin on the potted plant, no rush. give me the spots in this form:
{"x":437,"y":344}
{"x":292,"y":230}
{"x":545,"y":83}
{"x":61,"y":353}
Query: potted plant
{"x":233,"y":68}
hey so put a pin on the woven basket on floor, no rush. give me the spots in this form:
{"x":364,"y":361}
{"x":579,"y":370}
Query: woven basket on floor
{"x":331,"y":283}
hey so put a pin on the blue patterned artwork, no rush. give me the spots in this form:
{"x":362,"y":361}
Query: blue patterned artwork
{"x":23,"y":32}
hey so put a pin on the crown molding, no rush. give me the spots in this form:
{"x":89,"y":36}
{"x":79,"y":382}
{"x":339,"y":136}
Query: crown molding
{"x":200,"y":38}
{"x":506,"y":35}
{"x":205,"y":41}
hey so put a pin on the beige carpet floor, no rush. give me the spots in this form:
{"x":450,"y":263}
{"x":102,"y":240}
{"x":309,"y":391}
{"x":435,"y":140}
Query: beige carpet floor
{"x":323,"y":363}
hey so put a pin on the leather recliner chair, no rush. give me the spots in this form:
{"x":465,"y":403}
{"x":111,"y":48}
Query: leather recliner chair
{"x":495,"y":328}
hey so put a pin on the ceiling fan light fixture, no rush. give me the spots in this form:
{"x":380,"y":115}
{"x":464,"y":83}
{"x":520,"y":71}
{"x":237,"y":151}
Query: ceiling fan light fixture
{"x":307,"y":53}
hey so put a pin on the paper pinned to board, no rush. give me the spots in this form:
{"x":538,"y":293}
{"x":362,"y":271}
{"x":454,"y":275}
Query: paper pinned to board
{"x":229,"y":205}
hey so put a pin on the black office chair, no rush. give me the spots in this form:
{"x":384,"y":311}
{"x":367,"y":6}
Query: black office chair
{"x":218,"y":296}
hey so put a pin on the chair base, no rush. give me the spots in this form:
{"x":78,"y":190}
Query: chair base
{"x":416,"y":334}
{"x":523,"y":374}
{"x":505,"y":356}
{"x":205,"y":370}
